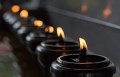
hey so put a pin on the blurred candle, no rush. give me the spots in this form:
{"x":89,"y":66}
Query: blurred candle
{"x":11,"y":16}
{"x":24,"y":14}
{"x":15,"y":8}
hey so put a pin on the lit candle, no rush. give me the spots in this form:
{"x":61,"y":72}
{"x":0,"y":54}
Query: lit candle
{"x":24,"y":14}
{"x":11,"y":16}
{"x":82,"y":65}
{"x":35,"y":38}
{"x":24,"y":20}
{"x":49,"y":50}
{"x":49,"y":29}
{"x":24,"y":30}
{"x":38,"y":23}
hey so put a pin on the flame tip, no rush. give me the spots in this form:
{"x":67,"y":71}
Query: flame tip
{"x":60,"y":32}
{"x":83,"y":43}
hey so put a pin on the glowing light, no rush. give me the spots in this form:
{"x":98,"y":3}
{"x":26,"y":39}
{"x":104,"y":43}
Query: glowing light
{"x":107,"y":12}
{"x":60,"y":32}
{"x":15,"y":8}
{"x":83,"y":43}
{"x":49,"y":29}
{"x":38,"y":23}
{"x":24,"y":14}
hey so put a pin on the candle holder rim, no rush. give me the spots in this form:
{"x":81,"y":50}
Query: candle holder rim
{"x":61,"y":61}
{"x":40,"y":37}
{"x":44,"y":43}
{"x":55,"y":50}
{"x":40,"y":33}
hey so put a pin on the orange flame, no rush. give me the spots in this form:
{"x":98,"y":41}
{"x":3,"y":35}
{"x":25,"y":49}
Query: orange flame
{"x":83,"y":43}
{"x":38,"y":23}
{"x":15,"y":8}
{"x":49,"y":29}
{"x":46,"y":29}
{"x":60,"y":32}
{"x":24,"y":14}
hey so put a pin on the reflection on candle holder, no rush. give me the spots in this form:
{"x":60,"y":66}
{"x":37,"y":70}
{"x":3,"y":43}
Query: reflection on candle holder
{"x":25,"y":30}
{"x":95,"y":66}
{"x":11,"y":16}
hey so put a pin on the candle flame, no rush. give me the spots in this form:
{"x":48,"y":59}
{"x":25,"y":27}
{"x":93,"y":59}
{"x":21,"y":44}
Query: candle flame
{"x":38,"y":23}
{"x":46,"y":29}
{"x":24,"y":14}
{"x":60,"y":32}
{"x":49,"y":29}
{"x":15,"y":8}
{"x":83,"y":43}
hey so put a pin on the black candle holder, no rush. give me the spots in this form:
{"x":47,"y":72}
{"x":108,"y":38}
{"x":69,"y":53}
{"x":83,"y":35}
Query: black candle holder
{"x":48,"y":51}
{"x":25,"y":30}
{"x":96,"y":66}
{"x":36,"y":37}
{"x":10,"y":18}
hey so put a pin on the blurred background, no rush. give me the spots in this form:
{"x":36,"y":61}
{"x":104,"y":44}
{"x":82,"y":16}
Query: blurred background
{"x":98,"y":21}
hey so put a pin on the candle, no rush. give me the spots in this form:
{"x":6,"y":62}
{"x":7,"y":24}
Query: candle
{"x":36,"y":37}
{"x":24,"y":20}
{"x":49,"y":50}
{"x":11,"y":16}
{"x":15,"y":9}
{"x":83,"y":47}
{"x":24,"y":30}
{"x":82,"y":65}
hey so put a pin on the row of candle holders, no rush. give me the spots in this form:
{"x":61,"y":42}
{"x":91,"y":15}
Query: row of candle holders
{"x":57,"y":56}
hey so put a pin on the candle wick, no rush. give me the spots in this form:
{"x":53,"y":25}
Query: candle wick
{"x":82,"y":56}
{"x":61,"y":40}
